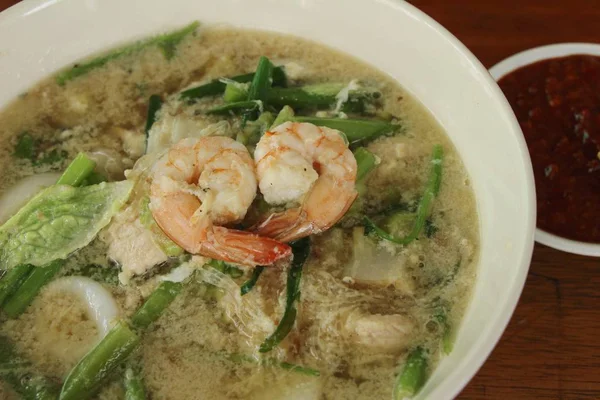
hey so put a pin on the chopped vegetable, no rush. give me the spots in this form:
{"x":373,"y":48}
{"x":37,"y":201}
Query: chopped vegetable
{"x":235,"y":91}
{"x":250,"y":283}
{"x":286,"y":114}
{"x":226,"y":268}
{"x":262,"y":80}
{"x":217,"y":86}
{"x":154,"y":105}
{"x":166,"y":42}
{"x":78,"y":171}
{"x":16,"y":371}
{"x":58,"y":221}
{"x":320,"y":96}
{"x":134,"y":387}
{"x":238,"y":107}
{"x":88,"y":375}
{"x":155,"y":304}
{"x":31,"y":386}
{"x":12,"y":279}
{"x":413,"y":375}
{"x":356,"y":130}
{"x":441,"y":317}
{"x":301,"y":250}
{"x":31,"y":286}
{"x":238,"y":358}
{"x":430,"y":228}
{"x":25,"y":147}
{"x":425,"y":205}
{"x":254,"y":130}
{"x":365,"y":162}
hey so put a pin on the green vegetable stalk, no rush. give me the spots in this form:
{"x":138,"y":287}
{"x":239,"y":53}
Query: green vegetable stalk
{"x":286,"y":114}
{"x":167,"y":43}
{"x":217,"y":86}
{"x":301,"y":250}
{"x":134,"y":387}
{"x":425,"y":205}
{"x":413,"y":375}
{"x":88,"y":375}
{"x":77,"y":172}
{"x":16,"y":304}
{"x":13,"y":279}
{"x":155,"y":304}
{"x":356,"y":130}
{"x":250,"y":283}
{"x":154,"y":104}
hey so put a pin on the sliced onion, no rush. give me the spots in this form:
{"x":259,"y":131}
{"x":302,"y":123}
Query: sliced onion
{"x":16,"y":197}
{"x":101,"y":306}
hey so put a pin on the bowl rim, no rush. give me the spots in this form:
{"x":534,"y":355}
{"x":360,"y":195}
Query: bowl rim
{"x":494,"y":330}
{"x":522,"y":59}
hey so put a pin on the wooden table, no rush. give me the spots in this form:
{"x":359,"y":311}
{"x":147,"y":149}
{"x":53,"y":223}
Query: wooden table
{"x":551,"y":348}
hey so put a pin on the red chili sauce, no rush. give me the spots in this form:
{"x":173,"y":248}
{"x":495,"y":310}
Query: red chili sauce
{"x":557,"y":103}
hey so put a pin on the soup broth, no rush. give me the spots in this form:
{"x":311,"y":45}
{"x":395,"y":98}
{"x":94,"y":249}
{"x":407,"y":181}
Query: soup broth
{"x":365,"y":304}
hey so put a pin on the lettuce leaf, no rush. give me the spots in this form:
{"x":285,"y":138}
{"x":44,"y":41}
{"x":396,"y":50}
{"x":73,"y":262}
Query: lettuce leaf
{"x":58,"y":221}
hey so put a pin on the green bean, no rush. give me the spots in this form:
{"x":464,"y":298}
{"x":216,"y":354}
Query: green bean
{"x":154,"y":104}
{"x":413,"y":375}
{"x":286,"y":114}
{"x":12,"y":279}
{"x":301,"y":250}
{"x":250,"y":283}
{"x":365,"y":162}
{"x":88,"y":375}
{"x":356,"y":130}
{"x":166,"y":42}
{"x":216,"y":86}
{"x":425,"y":204}
{"x":134,"y":386}
{"x":155,"y":304}
{"x":31,"y":286}
{"x":76,"y":173}
{"x":238,"y":107}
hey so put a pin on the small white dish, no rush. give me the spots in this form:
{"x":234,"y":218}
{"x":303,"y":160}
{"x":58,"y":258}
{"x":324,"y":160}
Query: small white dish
{"x":522,"y":59}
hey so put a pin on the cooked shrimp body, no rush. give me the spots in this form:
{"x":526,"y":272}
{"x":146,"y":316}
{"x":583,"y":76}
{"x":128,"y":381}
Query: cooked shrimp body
{"x":309,"y":165}
{"x":198,"y":186}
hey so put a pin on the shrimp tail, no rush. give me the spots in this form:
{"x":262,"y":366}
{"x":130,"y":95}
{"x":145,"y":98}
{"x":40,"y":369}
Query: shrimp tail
{"x":286,"y":226}
{"x":244,"y":248}
{"x":323,"y":207}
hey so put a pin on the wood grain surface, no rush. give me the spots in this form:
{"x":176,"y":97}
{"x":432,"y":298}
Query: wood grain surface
{"x":551,"y":348}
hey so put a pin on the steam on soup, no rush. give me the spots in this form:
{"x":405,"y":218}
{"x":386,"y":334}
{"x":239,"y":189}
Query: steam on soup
{"x":228,"y":214}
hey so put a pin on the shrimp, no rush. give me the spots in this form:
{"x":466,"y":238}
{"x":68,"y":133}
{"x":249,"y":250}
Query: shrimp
{"x":309,"y":165}
{"x":198,"y":186}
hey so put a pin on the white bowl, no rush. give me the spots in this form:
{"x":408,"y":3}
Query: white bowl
{"x":39,"y":37}
{"x":530,"y":56}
